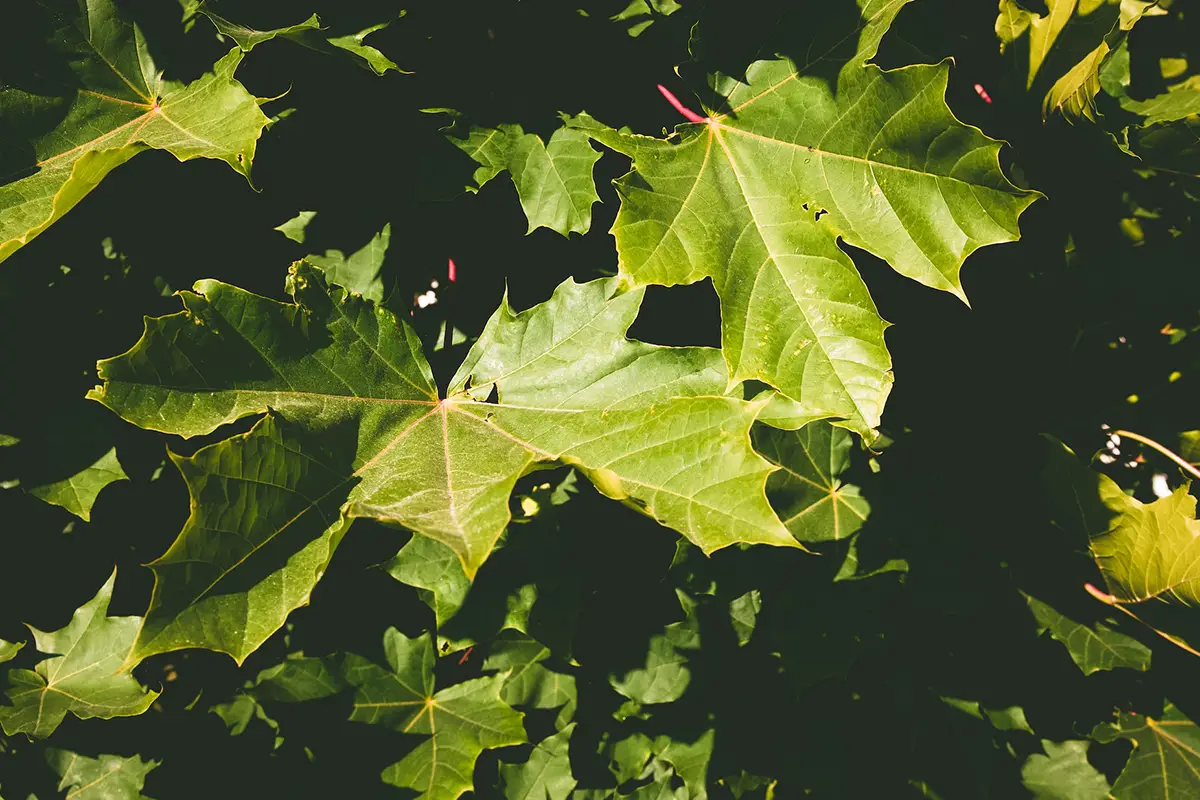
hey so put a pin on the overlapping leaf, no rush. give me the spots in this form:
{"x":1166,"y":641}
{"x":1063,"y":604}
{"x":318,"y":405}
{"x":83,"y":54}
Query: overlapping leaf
{"x":81,"y":674}
{"x":104,"y":105}
{"x":1166,"y":137}
{"x":1061,"y":52}
{"x":811,"y":499}
{"x":461,"y":720}
{"x":1165,"y":761}
{"x":360,"y":427}
{"x":756,"y":196}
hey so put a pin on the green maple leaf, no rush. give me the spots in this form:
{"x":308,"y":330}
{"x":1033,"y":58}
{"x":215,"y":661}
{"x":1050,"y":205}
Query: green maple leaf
{"x":109,"y":104}
{"x":554,"y":181}
{"x":811,"y":499}
{"x":528,"y":682}
{"x":1092,"y":647}
{"x":461,"y":720}
{"x":1063,"y":773}
{"x":78,"y":493}
{"x":546,"y":775}
{"x":1165,"y":761}
{"x":756,"y":196}
{"x":80,"y":676}
{"x":358,"y":426}
{"x":1147,"y":553}
{"x":105,"y":777}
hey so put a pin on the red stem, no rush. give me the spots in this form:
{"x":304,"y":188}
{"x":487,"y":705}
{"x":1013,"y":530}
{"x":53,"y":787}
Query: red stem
{"x":691,"y":116}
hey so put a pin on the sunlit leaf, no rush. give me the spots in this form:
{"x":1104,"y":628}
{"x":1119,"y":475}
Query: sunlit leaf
{"x":756,"y":197}
{"x":1165,"y":761}
{"x":361,"y":428}
{"x":105,"y":777}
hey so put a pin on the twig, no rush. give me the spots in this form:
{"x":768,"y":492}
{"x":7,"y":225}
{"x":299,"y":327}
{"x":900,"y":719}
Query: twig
{"x":1183,"y":463}
{"x":691,"y":116}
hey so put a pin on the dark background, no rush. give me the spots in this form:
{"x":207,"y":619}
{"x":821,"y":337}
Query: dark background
{"x":1064,"y":326}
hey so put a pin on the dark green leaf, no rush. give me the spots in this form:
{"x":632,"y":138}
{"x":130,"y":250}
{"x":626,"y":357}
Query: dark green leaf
{"x":81,"y":675}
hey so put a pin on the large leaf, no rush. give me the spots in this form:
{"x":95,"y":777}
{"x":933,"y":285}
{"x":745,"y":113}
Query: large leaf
{"x":1063,"y":773}
{"x":1092,"y":647}
{"x":105,"y":104}
{"x":80,"y":676}
{"x":755,"y":198}
{"x":462,"y":720}
{"x":554,"y":181}
{"x":1165,"y":761}
{"x":78,"y":493}
{"x":649,"y":425}
{"x":105,"y":777}
{"x":814,"y":503}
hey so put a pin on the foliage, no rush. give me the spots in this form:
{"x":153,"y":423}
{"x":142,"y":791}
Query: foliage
{"x":447,"y":482}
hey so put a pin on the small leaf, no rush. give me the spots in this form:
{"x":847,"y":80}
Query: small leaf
{"x":9,"y":650}
{"x":554,"y":181}
{"x":295,"y":227}
{"x":360,"y":271}
{"x":78,"y":493}
{"x":461,"y":720}
{"x":1165,"y":761}
{"x":81,"y":675}
{"x":666,"y":675}
{"x":1063,"y":773}
{"x":105,"y":777}
{"x":527,"y":682}
{"x":1092,"y":647}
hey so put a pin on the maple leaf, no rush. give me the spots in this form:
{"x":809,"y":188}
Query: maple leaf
{"x":357,"y":425}
{"x":461,"y":720}
{"x":81,"y":674}
{"x":757,"y":195}
{"x":110,"y":104}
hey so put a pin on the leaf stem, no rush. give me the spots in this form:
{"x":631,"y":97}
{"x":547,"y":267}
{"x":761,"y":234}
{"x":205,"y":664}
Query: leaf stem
{"x":691,"y":116}
{"x":1183,"y":464}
